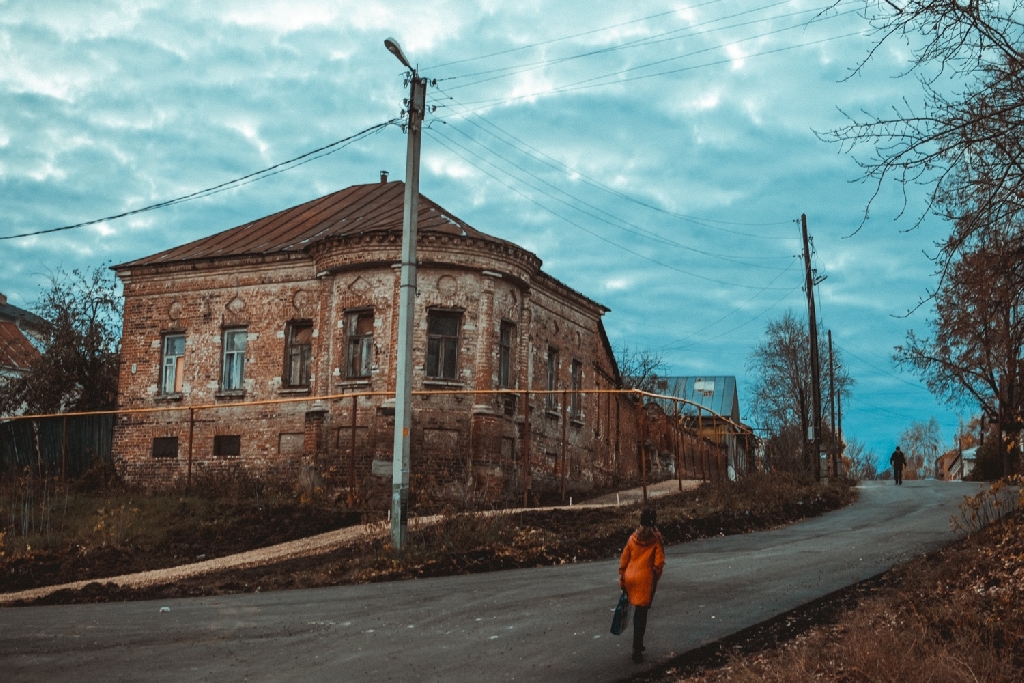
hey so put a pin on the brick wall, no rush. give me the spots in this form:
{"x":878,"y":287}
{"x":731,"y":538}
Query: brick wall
{"x":464,"y":447}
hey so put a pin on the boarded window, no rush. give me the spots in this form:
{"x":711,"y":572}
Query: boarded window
{"x":290,"y":445}
{"x":227,"y":445}
{"x":297,"y":353}
{"x":173,"y":374}
{"x":443,"y":344}
{"x":165,"y":447}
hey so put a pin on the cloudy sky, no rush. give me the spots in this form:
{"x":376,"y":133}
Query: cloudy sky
{"x":657,"y":156}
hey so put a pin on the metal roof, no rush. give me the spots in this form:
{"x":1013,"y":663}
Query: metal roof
{"x":376,"y":207}
{"x":717,"y":394}
{"x":16,"y":351}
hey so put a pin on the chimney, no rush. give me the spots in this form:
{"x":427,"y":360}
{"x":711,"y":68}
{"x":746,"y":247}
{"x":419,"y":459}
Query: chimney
{"x":3,"y":299}
{"x":383,"y":177}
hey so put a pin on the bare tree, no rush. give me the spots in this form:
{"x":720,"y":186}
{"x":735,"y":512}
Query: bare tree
{"x":639,"y":367}
{"x":781,"y":397}
{"x":78,"y":367}
{"x":973,"y":353}
{"x":860,"y":465}
{"x":969,"y":138}
{"x":922,"y":444}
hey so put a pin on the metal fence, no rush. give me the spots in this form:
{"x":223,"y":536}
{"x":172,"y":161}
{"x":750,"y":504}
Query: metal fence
{"x":64,"y":445}
{"x":542,"y":442}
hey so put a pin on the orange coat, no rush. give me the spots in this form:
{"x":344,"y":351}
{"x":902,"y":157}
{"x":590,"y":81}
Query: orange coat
{"x":640,"y":567}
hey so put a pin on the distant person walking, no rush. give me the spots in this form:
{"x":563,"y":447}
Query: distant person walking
{"x":897,"y":460}
{"x":643,"y":560}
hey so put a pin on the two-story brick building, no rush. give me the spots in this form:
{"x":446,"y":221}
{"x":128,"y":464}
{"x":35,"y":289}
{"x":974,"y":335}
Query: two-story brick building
{"x":303,"y":304}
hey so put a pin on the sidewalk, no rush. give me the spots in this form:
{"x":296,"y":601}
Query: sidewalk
{"x":310,"y":546}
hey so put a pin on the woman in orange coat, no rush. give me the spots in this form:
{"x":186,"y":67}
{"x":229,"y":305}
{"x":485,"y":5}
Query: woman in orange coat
{"x":643,"y":560}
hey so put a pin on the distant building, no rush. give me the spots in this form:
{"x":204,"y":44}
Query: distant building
{"x":709,"y":399}
{"x":21,"y":338}
{"x":956,"y":465}
{"x":303,"y":303}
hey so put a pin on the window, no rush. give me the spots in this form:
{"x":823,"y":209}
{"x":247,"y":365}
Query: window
{"x":233,"y":368}
{"x":298,"y":346}
{"x":227,"y":445}
{"x":443,"y":344}
{"x":577,"y":384}
{"x":551,"y":401}
{"x":165,"y":447}
{"x":173,"y":364}
{"x":359,"y":331}
{"x":505,"y":356}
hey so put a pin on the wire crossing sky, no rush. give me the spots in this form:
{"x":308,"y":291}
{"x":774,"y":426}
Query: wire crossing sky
{"x":655,"y":156}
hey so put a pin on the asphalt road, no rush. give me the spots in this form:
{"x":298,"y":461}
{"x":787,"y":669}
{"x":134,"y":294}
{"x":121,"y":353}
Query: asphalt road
{"x":548,"y":624}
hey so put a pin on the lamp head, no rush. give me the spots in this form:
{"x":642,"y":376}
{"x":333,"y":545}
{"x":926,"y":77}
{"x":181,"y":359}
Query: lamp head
{"x":394,"y":48}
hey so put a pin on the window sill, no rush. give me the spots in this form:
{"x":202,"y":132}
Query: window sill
{"x":232,"y":395}
{"x":354,"y":382}
{"x":444,"y":383}
{"x":553,"y":414}
{"x":576,"y":421}
{"x":293,"y":391}
{"x":169,"y":397}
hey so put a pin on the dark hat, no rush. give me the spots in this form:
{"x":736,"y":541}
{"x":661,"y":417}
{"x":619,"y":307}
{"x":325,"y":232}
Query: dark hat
{"x":648,"y":517}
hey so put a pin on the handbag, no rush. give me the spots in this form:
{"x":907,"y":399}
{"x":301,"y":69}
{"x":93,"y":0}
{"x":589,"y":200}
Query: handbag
{"x":623,"y":611}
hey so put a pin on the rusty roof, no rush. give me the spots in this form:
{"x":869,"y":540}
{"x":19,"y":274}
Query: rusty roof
{"x":376,"y":207}
{"x":16,"y":351}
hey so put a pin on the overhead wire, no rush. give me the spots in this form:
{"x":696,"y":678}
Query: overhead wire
{"x":638,"y":42}
{"x":627,"y":226}
{"x":448,"y":144}
{"x":280,"y":167}
{"x":587,"y":84}
{"x":557,"y":165}
{"x":570,"y":37}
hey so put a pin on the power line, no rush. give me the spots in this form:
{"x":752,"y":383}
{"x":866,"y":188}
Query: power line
{"x":588,"y":84}
{"x":639,"y":42}
{"x":632,"y":227}
{"x":557,"y":165}
{"x":570,"y":37}
{"x":222,"y":187}
{"x":439,"y":138}
{"x":647,"y":41}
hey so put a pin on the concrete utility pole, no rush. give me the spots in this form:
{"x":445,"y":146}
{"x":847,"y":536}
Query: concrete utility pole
{"x":812,"y":321}
{"x":406,"y":304}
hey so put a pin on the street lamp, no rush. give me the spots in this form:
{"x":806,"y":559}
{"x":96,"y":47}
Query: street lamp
{"x":406,"y":305}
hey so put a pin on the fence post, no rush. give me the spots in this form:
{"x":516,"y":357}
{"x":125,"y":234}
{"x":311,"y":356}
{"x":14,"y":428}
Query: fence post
{"x":565,"y":396}
{"x":64,"y":449}
{"x":191,"y":435}
{"x":640,"y":444}
{"x":352,"y":453}
{"x":677,"y":441}
{"x":526,"y":448}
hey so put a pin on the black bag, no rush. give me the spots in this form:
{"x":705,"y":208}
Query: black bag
{"x":623,"y":611}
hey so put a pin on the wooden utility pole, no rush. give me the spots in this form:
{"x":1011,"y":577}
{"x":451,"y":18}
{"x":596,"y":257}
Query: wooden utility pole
{"x":812,"y":323}
{"x":406,"y":304}
{"x":834,"y":468}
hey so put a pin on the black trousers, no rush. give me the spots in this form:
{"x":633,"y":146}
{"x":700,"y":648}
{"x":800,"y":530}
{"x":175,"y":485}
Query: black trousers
{"x":639,"y":627}
{"x":897,"y":474}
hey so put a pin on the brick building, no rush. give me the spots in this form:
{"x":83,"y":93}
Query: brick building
{"x":303,"y":304}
